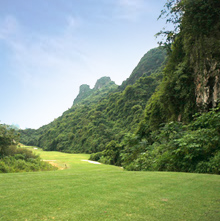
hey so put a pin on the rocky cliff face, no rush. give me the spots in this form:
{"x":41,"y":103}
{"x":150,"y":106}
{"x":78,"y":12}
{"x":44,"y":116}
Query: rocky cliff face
{"x":205,"y":60}
{"x":208,"y":86}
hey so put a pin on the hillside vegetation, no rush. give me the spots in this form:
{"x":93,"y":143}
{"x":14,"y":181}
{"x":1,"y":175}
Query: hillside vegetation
{"x":101,"y":114}
{"x":165,"y":116}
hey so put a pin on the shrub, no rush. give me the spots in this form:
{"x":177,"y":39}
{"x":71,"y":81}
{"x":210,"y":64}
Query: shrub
{"x":96,"y":156}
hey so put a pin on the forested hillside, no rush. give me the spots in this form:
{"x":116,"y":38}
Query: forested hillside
{"x":180,"y":129}
{"x":101,"y":114}
{"x":165,"y":116}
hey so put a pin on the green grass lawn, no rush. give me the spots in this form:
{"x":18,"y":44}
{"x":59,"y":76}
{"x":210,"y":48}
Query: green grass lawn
{"x":86,"y":191}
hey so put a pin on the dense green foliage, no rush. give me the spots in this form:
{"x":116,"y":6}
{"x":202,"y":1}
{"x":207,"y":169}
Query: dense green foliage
{"x":17,"y":159}
{"x":177,"y":147}
{"x":193,"y":147}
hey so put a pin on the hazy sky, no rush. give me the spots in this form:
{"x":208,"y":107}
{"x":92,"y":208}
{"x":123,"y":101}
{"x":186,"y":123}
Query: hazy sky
{"x":50,"y":47}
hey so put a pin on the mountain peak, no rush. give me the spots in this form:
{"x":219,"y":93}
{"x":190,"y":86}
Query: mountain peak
{"x":84,"y":91}
{"x":102,"y":82}
{"x":84,"y":88}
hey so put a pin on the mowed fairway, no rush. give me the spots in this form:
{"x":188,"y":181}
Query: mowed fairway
{"x":86,"y":191}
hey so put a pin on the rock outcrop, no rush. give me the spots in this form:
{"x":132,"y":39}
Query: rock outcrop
{"x":208,"y":86}
{"x":85,"y":90}
{"x":102,"y":82}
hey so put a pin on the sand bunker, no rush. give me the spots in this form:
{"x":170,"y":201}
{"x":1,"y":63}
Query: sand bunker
{"x":94,"y":162}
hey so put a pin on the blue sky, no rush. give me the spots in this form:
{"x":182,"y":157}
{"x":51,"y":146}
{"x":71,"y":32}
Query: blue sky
{"x":50,"y":47}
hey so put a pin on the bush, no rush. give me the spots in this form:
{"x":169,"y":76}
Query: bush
{"x":3,"y":167}
{"x":105,"y":160}
{"x":17,"y":163}
{"x":96,"y":156}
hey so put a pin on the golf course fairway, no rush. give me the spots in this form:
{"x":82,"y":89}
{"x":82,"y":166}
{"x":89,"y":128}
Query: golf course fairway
{"x":82,"y":190}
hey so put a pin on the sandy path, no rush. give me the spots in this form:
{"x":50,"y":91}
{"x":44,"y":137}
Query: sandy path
{"x":56,"y":164}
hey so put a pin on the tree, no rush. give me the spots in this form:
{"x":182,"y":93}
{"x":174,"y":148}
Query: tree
{"x":8,"y":140}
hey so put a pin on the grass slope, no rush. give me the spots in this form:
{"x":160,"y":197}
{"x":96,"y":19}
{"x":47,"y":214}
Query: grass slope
{"x":87,"y":191}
